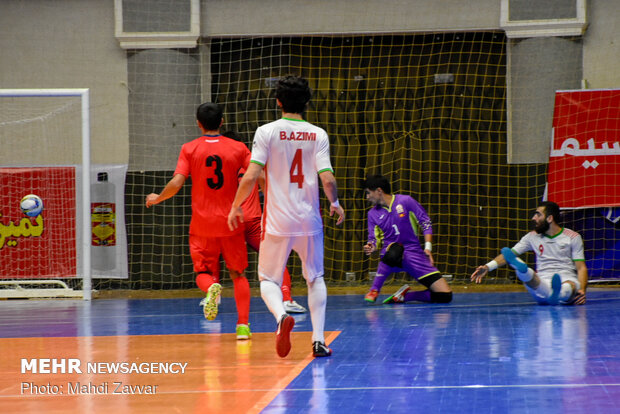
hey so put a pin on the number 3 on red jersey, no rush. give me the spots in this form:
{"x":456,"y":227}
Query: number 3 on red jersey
{"x":296,"y":172}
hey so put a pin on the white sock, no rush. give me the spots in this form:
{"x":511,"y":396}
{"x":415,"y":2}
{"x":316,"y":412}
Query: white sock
{"x":317,"y":300}
{"x":272,"y":296}
{"x":542,"y":292}
{"x":526,"y":277}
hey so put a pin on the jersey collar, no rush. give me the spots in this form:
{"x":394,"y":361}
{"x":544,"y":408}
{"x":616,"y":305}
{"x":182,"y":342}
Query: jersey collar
{"x":211,"y":138}
{"x":389,"y":208}
{"x":555,"y":235}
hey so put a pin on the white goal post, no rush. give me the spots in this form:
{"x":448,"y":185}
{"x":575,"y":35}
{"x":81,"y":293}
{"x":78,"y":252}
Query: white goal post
{"x":84,"y":240}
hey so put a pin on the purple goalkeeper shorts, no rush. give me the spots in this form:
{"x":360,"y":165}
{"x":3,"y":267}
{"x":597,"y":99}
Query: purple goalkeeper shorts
{"x":415,"y":262}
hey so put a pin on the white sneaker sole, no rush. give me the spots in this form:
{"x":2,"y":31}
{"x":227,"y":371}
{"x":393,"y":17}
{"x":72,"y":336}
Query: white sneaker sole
{"x":294,"y":307}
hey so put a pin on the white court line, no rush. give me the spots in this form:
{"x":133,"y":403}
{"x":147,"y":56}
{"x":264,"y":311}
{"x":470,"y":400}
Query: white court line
{"x":445,"y":387}
{"x":412,"y":387}
{"x":434,"y":306}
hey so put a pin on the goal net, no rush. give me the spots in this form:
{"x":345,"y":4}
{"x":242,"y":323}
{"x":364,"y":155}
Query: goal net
{"x":427,"y":110}
{"x":44,"y":141}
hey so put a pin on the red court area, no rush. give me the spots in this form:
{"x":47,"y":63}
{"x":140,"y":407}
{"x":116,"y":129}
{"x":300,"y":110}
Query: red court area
{"x":194,"y":373}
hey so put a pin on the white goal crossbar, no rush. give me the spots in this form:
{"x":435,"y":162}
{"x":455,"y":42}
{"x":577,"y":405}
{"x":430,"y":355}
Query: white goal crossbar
{"x":83,"y":94}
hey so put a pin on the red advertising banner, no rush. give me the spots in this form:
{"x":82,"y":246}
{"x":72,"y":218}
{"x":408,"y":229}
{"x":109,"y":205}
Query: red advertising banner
{"x":43,"y":246}
{"x":584,"y":163}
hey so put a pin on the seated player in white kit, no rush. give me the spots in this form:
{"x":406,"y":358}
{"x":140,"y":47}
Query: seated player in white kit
{"x":561,"y":274}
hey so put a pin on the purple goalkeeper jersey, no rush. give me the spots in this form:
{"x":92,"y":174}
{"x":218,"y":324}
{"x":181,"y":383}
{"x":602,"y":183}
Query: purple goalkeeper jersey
{"x":402,"y":221}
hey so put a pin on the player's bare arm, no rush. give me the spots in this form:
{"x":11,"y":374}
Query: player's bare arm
{"x":173,"y":187}
{"x":245,"y":188}
{"x":582,"y":275}
{"x":482,"y":271}
{"x":261,"y":182}
{"x":331,"y":192}
{"x":428,"y":239}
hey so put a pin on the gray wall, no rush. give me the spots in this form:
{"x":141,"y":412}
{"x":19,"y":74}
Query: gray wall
{"x":70,"y":44}
{"x":162,"y":106}
{"x":537,"y":67}
{"x":601,"y":45}
{"x":273,"y":17}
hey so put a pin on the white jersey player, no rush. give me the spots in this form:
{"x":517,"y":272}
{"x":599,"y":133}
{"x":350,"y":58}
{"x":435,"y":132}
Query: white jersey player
{"x":294,"y":155}
{"x":292,"y":152}
{"x":561,"y":274}
{"x":554,"y":254}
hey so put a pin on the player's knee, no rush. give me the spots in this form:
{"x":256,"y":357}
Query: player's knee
{"x":236,"y":274}
{"x":441,"y":297}
{"x":315,"y":281}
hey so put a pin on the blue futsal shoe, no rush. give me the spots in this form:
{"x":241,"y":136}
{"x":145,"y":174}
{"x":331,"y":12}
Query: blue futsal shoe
{"x":514,"y":262}
{"x":556,"y":287}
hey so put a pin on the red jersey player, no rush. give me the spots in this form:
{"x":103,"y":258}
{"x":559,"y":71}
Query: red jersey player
{"x":214,"y":162}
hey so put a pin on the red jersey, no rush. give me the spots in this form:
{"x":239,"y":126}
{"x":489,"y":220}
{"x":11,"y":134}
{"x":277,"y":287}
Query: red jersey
{"x":251,"y":206}
{"x":214,"y":164}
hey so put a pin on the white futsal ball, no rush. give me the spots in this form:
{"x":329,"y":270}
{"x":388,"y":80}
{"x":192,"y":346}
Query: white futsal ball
{"x":31,"y":205}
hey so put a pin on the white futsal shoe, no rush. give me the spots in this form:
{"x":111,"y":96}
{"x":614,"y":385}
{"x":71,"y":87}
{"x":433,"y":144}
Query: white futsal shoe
{"x":290,"y":306}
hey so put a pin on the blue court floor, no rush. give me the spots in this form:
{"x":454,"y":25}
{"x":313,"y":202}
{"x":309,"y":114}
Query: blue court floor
{"x":482,"y":353}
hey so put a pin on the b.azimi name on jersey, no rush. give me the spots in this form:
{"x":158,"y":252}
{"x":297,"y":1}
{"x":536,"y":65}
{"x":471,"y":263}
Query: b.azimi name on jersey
{"x":297,"y":136}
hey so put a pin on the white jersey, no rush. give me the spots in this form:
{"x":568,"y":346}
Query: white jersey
{"x":293,"y":153}
{"x":555,"y":254}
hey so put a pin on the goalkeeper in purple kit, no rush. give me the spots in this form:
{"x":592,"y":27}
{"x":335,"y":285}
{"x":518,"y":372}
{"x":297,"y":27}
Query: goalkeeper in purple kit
{"x":394,"y":226}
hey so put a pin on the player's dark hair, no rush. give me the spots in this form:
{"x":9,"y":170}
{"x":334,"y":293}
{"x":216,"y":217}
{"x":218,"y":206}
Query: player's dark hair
{"x":209,"y":115}
{"x":372,"y":182}
{"x":293,"y":92}
{"x":551,"y":209}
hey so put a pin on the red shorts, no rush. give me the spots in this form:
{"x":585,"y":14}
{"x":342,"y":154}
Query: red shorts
{"x":206,"y":253}
{"x":253,"y":232}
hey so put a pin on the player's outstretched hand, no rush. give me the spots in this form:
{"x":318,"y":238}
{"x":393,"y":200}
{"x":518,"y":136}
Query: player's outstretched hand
{"x":151,"y":199}
{"x":479,"y":273}
{"x":338,"y":210}
{"x":235,"y":217}
{"x":369,"y":248}
{"x":580,"y":297}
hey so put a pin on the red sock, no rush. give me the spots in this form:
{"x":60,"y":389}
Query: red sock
{"x":242,"y":298}
{"x":204,"y":281}
{"x":286,"y":286}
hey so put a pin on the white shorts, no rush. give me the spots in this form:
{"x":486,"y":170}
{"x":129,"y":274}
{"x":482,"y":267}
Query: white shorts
{"x":275,"y":250}
{"x":565,"y":276}
{"x":546,"y":280}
